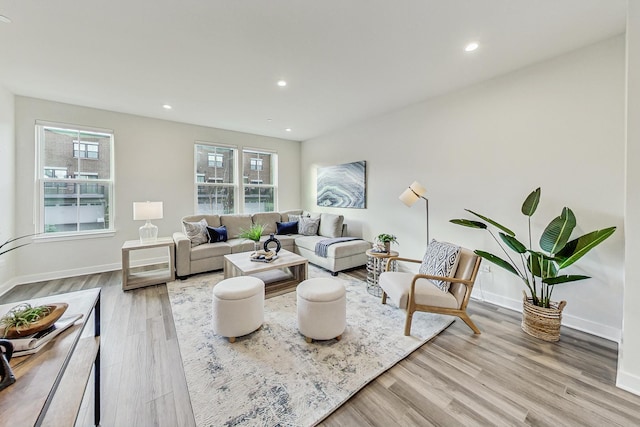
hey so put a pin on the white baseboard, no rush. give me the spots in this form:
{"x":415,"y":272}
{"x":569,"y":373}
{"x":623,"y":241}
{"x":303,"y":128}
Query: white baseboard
{"x":573,"y":322}
{"x":628,"y":382}
{"x":61,"y":274}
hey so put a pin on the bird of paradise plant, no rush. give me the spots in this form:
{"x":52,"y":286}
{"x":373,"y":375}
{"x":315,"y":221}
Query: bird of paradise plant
{"x":539,"y":270}
{"x":2,"y":252}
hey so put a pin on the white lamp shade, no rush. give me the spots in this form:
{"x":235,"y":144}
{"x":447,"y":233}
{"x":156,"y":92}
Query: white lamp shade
{"x":408,"y":197}
{"x":418,"y":188}
{"x":412,"y":194}
{"x":147,"y":210}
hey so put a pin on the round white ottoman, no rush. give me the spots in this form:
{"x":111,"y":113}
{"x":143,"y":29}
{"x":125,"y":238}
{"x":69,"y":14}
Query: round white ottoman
{"x":238,"y":306}
{"x":322,"y":309}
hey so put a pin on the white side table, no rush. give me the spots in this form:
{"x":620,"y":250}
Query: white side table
{"x":152,"y":274}
{"x":376,"y":262}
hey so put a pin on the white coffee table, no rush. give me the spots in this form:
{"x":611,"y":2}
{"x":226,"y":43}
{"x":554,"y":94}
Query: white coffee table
{"x":289,"y":269}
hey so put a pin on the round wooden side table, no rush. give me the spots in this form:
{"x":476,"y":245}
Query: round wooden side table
{"x":376,"y":262}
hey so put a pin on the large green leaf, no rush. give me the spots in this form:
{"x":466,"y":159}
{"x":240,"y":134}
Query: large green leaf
{"x":564,"y":279}
{"x":497,"y":261}
{"x":469,"y":223}
{"x":492,"y":222}
{"x":576,"y":249}
{"x":557,"y":233}
{"x":531,"y":202}
{"x":513,"y":243}
{"x":541,"y":265}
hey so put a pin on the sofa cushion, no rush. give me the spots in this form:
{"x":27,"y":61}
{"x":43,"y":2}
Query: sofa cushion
{"x":217,"y":234}
{"x":268,"y":219}
{"x":241,"y":245}
{"x":339,"y":250}
{"x":330,"y":225}
{"x":440,"y":259}
{"x":308,"y":226}
{"x":235,"y":224}
{"x":210,"y":250}
{"x":285,"y":215}
{"x":287,"y":227}
{"x":196,"y":231}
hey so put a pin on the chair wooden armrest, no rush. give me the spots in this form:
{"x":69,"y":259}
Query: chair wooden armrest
{"x":446,"y":279}
{"x":397,"y":258}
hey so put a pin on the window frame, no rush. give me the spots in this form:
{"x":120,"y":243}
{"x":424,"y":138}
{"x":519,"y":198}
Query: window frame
{"x":206,"y":181}
{"x":273,"y":167}
{"x":41,"y":179}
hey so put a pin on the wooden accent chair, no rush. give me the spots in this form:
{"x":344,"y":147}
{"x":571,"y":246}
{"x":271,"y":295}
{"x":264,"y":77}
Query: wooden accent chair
{"x":416,"y":292}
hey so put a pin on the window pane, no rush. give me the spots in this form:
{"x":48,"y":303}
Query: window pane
{"x":258,"y":199}
{"x":214,"y":163}
{"x":257,"y":167}
{"x":75,"y":206}
{"x":74,"y":151}
{"x":214,"y":199}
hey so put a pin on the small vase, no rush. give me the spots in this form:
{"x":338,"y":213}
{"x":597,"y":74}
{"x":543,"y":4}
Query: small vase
{"x":387,"y":247}
{"x":256,"y":246}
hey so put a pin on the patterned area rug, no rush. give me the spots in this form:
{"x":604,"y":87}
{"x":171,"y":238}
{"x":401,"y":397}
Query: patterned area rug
{"x":272,"y":376}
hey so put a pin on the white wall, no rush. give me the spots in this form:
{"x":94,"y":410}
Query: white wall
{"x":629,"y":355}
{"x":153,"y":161}
{"x":558,"y":125}
{"x":7,"y":189}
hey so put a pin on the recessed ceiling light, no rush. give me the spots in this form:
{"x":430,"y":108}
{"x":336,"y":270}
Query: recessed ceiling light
{"x":288,"y":129}
{"x":5,"y":19}
{"x":471,"y":47}
{"x":269,"y":120}
{"x":167,"y":106}
{"x":282,"y":83}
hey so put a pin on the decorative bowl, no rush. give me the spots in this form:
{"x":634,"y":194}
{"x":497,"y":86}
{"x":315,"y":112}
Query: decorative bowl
{"x":57,"y":310}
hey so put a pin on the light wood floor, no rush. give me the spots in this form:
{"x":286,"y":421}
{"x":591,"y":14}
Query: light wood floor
{"x":500,"y":378}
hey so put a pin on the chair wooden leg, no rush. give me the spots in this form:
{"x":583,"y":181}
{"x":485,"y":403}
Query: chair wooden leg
{"x":407,"y":323}
{"x":384,"y":297}
{"x":469,"y":323}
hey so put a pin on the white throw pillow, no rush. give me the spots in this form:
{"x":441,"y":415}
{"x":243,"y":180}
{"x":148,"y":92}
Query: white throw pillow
{"x":440,"y":259}
{"x":308,"y":226}
{"x":196,"y":232}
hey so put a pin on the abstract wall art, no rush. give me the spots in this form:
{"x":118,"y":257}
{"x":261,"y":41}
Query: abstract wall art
{"x":342,"y":186}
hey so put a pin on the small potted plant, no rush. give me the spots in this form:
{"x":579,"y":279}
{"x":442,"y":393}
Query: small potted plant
{"x":385,"y":240}
{"x":253,"y":233}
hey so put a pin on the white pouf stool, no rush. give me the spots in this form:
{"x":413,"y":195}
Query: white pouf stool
{"x":238,"y":306}
{"x":322,"y":308}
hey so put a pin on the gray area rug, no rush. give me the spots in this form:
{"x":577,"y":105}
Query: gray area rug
{"x":272,"y":377}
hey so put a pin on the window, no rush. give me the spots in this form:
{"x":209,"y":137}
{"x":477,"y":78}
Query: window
{"x":259,"y":188}
{"x":215,"y":160}
{"x":215,"y":179}
{"x":75,"y":179}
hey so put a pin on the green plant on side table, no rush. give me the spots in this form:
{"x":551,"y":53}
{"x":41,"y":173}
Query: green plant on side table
{"x":386,"y":240}
{"x":253,"y":233}
{"x":540,"y":270}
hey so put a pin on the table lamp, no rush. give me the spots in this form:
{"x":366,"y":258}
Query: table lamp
{"x":147,"y":211}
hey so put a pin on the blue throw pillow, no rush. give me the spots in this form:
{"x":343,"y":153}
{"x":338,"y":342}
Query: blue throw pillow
{"x":287,"y":227}
{"x":218,"y":234}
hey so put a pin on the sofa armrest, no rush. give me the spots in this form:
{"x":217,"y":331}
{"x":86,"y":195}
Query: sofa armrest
{"x":183,"y":254}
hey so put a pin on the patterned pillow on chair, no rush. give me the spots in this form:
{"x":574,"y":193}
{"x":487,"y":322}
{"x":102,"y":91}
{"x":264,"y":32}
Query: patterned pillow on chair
{"x":440,"y":259}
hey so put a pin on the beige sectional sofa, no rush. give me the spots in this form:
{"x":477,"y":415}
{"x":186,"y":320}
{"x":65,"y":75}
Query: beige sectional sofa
{"x":198,"y":258}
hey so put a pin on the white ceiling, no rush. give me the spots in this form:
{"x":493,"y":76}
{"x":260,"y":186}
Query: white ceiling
{"x":217,"y":61}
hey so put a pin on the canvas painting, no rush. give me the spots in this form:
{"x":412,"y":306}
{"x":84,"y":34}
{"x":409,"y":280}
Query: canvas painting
{"x":342,"y":186}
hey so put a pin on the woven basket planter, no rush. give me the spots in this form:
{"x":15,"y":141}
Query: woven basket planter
{"x":540,"y":322}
